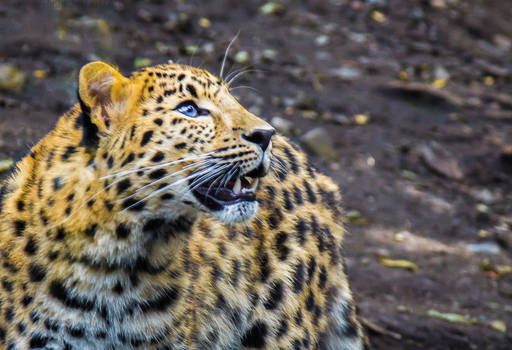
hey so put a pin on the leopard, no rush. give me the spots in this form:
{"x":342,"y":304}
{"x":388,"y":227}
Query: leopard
{"x":161,"y":214}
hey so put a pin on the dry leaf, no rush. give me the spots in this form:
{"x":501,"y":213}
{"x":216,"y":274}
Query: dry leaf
{"x":404,"y":264}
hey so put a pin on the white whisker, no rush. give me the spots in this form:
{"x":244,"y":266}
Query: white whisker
{"x":185,"y":168}
{"x":210,"y":174}
{"x":236,"y":71}
{"x":154,"y":193}
{"x":226,"y":55}
{"x":239,"y":74}
{"x":245,"y":87}
{"x":157,"y":166}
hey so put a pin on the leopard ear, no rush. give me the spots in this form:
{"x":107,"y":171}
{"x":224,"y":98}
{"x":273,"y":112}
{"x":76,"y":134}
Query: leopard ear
{"x":104,"y":94}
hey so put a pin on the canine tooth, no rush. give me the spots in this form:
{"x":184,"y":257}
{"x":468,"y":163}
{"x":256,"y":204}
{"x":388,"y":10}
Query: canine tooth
{"x":255,"y":184}
{"x":238,"y":185}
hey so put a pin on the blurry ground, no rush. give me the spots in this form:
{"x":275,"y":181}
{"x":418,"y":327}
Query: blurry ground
{"x":413,"y":96}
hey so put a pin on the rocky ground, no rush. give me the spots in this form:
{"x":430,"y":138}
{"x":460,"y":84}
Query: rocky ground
{"x":405,"y":103}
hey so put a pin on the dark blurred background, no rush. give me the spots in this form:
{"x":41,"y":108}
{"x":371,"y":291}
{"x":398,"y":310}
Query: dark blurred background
{"x":406,"y":104}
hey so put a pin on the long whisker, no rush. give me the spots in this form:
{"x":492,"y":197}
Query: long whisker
{"x":226,"y":55}
{"x":205,"y":177}
{"x":185,"y":168}
{"x":245,"y":87}
{"x":197,"y":176}
{"x":229,"y":174}
{"x":239,"y":74}
{"x":157,"y":166}
{"x":154,"y":193}
{"x":219,"y":176}
{"x":236,"y":71}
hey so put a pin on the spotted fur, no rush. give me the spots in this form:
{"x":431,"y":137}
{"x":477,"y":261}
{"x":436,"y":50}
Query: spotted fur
{"x":104,"y":247}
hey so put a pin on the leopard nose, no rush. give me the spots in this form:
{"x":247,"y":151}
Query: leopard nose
{"x":261,"y":137}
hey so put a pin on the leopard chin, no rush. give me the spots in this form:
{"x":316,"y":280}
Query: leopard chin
{"x":238,"y":212}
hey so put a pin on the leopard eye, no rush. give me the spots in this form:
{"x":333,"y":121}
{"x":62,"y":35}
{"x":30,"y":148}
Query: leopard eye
{"x":190,"y":109}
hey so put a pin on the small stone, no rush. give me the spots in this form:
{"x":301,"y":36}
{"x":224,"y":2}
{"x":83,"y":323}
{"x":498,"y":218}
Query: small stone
{"x":483,"y":209}
{"x":322,"y":40}
{"x":289,"y":101}
{"x":403,"y":309}
{"x":357,"y":5}
{"x":346,"y":73}
{"x":376,"y":2}
{"x":208,"y":48}
{"x":418,"y":13}
{"x":172,"y":22}
{"x":283,"y":125}
{"x":176,"y":21}
{"x":357,"y":37}
{"x":190,"y":50}
{"x":141,"y":62}
{"x":164,"y":49}
{"x":309,"y":114}
{"x":242,"y":57}
{"x":334,"y":166}
{"x":439,"y":4}
{"x":505,"y":285}
{"x":409,"y":175}
{"x":11,"y":78}
{"x":269,"y":54}
{"x":145,"y":15}
{"x":484,"y":195}
{"x":502,"y":41}
{"x":289,"y":110}
{"x":305,"y":100}
{"x":319,"y":142}
{"x":272,"y":8}
{"x":341,"y":119}
{"x":484,"y":247}
{"x":400,"y":236}
{"x":441,"y":73}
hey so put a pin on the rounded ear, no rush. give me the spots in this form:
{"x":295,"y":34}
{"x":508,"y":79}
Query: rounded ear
{"x":104,"y":93}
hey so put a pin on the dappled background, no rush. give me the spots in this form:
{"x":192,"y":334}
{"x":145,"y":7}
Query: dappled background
{"x":406,"y":104}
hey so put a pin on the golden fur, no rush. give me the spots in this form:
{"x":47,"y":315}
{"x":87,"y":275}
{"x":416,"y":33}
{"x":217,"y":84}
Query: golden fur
{"x":104,"y":247}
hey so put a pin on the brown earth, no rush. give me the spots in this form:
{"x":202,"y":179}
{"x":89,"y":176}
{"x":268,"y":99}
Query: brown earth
{"x":432,"y":163}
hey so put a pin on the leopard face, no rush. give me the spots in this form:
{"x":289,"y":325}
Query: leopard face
{"x":176,"y":141}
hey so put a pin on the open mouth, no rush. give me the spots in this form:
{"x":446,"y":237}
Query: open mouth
{"x":215,"y":196}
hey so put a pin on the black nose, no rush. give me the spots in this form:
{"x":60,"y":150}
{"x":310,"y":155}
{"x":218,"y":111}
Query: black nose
{"x":260,"y":137}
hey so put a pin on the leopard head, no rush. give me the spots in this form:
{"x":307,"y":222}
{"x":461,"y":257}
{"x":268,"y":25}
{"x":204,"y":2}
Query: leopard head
{"x":174,"y":141}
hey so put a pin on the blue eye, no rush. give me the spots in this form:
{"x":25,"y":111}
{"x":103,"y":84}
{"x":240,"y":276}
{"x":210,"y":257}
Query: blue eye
{"x":190,"y":109}
{"x":187,"y":109}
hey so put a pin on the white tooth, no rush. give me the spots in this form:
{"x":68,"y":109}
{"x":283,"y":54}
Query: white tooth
{"x":238,"y":185}
{"x":255,"y":184}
